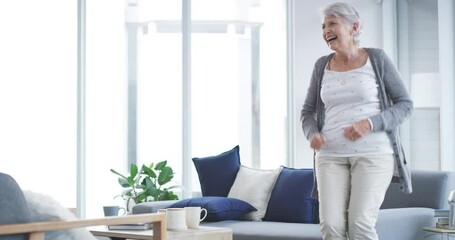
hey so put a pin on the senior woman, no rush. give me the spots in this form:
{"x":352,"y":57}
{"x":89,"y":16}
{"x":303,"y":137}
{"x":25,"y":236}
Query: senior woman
{"x":355,"y":102}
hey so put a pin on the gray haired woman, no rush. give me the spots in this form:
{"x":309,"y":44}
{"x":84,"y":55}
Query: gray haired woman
{"x":355,"y":102}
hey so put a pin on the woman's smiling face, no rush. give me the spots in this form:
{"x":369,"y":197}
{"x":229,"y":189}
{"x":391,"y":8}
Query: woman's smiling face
{"x":336,"y":33}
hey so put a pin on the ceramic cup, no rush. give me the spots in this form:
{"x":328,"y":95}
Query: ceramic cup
{"x":113,"y":211}
{"x":175,"y":218}
{"x":193,"y":216}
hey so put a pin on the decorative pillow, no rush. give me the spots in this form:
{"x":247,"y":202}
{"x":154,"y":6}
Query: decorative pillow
{"x":218,"y":208}
{"x":217,"y":173}
{"x":45,"y":208}
{"x":293,"y":190}
{"x":254,"y":186}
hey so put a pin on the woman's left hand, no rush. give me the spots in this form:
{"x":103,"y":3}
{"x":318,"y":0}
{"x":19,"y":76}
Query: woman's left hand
{"x":357,"y":130}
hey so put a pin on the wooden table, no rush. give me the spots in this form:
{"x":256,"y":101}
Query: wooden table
{"x":439,"y":233}
{"x":201,"y":233}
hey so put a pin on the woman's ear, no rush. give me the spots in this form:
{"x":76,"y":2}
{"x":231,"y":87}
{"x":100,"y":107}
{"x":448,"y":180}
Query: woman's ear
{"x":355,"y":27}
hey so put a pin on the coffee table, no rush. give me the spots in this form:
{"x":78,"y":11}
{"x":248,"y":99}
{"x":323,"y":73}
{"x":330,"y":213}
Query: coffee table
{"x":438,"y":233}
{"x":201,"y":233}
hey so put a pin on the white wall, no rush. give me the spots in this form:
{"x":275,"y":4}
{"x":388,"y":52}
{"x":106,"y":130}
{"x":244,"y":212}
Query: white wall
{"x":309,"y":46}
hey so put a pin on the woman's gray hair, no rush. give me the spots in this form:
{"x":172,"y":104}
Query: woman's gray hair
{"x":347,"y":13}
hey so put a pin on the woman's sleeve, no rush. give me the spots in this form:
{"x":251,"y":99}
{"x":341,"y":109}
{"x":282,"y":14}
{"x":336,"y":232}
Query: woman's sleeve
{"x":308,"y":113}
{"x":402,"y":105}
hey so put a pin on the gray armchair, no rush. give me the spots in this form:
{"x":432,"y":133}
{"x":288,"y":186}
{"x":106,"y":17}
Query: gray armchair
{"x":17,"y":223}
{"x":13,"y":207}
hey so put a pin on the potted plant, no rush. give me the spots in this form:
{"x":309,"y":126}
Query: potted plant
{"x":147,"y":183}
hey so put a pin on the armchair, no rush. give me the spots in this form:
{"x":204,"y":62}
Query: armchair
{"x":16,"y":222}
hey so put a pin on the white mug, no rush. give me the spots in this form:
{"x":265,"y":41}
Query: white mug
{"x":175,"y":218}
{"x":193,"y":216}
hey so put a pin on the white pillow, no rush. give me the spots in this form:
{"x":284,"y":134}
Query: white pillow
{"x":45,"y":208}
{"x":255,"y":187}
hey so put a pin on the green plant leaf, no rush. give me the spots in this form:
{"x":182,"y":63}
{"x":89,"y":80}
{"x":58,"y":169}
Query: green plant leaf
{"x":171,"y":187}
{"x":127,"y":192}
{"x":152,"y":190}
{"x":123,"y":182}
{"x":133,"y":170}
{"x":159,"y":166}
{"x":168,"y":195}
{"x":141,"y":197}
{"x":141,"y":186}
{"x":143,"y":183}
{"x":165,"y":175}
{"x":147,"y":183}
{"x":131,"y":181}
{"x":112,"y":170}
{"x":149,"y":171}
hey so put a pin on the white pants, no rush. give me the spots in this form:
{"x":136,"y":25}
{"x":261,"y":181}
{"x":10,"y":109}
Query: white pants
{"x":351,"y":190}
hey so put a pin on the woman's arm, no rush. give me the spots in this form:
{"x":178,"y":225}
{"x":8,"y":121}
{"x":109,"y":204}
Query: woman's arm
{"x":402,"y":105}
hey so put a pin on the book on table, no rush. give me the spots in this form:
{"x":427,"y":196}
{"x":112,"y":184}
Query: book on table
{"x":441,"y":212}
{"x":442,"y":216}
{"x":443,"y":222}
{"x":131,"y":226}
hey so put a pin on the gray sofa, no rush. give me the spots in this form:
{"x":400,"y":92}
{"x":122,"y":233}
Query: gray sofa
{"x":401,"y":217}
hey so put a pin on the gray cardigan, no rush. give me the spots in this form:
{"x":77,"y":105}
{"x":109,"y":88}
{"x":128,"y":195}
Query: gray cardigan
{"x":395,"y":104}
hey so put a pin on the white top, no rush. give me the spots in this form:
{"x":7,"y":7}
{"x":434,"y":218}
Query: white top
{"x":349,"y":97}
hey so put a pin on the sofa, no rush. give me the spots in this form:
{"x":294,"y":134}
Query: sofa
{"x":401,"y":217}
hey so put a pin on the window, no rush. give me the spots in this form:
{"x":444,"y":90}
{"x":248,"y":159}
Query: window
{"x":419,"y":65}
{"x":239,"y":80}
{"x":134,"y":105}
{"x":38,"y":96}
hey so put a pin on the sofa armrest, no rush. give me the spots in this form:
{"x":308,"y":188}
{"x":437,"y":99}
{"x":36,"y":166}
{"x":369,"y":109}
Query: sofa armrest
{"x":430,"y":190}
{"x":404,"y":223}
{"x":151,"y":207}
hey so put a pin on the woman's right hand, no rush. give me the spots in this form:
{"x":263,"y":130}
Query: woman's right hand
{"x":317,"y":141}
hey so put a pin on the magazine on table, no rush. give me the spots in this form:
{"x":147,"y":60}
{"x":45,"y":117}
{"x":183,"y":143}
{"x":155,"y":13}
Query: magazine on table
{"x":131,"y":226}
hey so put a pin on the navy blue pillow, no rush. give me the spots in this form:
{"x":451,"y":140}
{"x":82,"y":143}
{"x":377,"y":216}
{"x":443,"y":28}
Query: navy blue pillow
{"x":218,"y":208}
{"x":293,"y":190}
{"x":217,"y":173}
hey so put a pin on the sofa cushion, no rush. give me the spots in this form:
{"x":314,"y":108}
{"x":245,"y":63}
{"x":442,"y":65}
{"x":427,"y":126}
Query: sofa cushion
{"x":406,"y":223}
{"x":293,"y":190}
{"x":218,"y":208}
{"x":253,"y":230}
{"x":254,"y":186}
{"x":217,"y":173}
